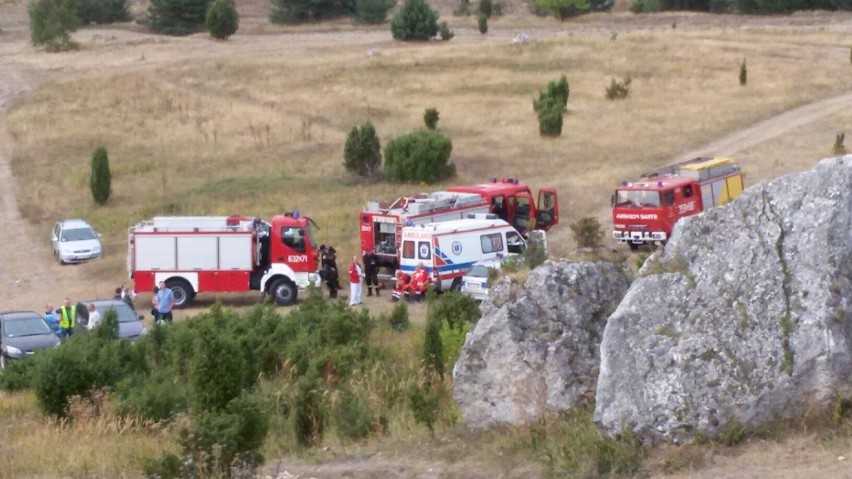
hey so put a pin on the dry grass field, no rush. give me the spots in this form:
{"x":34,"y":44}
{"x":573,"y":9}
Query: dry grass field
{"x":256,"y":125}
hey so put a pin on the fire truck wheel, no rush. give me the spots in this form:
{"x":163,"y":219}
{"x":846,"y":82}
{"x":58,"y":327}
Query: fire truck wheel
{"x":456,"y":286}
{"x":182,"y":290}
{"x":284,"y":292}
{"x":633,"y":247}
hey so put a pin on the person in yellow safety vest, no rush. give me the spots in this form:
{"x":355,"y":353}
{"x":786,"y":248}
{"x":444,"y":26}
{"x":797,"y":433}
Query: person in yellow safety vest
{"x":67,"y":318}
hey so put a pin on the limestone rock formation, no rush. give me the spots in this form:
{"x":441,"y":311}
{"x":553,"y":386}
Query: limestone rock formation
{"x":536,"y":347}
{"x":743,"y":318}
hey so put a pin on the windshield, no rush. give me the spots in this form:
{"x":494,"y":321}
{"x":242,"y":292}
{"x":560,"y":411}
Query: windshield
{"x":78,"y":234}
{"x":125,"y":314}
{"x":479,"y":271}
{"x":311,"y":236}
{"x":32,"y":326}
{"x":637,"y":198}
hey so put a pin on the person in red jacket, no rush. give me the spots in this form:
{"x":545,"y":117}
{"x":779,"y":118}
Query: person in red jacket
{"x":354,"y":282}
{"x":401,"y":286}
{"x":419,"y":282}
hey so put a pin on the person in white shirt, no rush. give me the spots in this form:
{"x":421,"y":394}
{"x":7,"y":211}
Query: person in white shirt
{"x":94,"y":317}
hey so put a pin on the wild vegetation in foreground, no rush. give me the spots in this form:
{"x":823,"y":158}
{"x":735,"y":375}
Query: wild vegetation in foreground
{"x":214,"y":396}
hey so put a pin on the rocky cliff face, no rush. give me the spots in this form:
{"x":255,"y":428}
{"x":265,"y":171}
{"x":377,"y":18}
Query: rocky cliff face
{"x":746,"y":315}
{"x":536,"y":347}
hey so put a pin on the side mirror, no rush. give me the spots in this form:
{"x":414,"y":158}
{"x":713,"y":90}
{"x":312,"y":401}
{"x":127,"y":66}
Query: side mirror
{"x":612,"y":200}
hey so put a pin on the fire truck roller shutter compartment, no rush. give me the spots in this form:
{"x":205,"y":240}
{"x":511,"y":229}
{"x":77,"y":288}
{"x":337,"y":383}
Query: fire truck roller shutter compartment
{"x":156,"y":253}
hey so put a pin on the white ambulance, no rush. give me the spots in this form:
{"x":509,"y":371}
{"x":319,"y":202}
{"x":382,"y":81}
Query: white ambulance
{"x":449,"y":249}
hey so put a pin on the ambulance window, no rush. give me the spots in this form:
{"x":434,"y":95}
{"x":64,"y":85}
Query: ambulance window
{"x":293,"y":237}
{"x":687,"y":191}
{"x":408,"y":249}
{"x":514,"y":242}
{"x":668,"y":197}
{"x":423,"y":250}
{"x":492,"y":243}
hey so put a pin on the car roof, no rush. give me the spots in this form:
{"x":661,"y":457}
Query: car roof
{"x":492,"y":262}
{"x":13,"y":315}
{"x":105,"y":302}
{"x":74,"y":223}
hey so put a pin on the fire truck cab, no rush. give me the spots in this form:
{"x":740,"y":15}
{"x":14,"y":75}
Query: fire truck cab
{"x":646,"y":211}
{"x":513,"y":202}
{"x":195,"y":254}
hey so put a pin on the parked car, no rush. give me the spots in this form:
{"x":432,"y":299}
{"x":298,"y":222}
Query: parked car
{"x":75,"y":241}
{"x":22,"y":333}
{"x":475,"y":282}
{"x":129,"y":321}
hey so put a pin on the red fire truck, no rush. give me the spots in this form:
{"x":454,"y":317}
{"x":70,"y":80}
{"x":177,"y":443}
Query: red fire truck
{"x":646,"y":211}
{"x":195,"y":254}
{"x":381,"y":222}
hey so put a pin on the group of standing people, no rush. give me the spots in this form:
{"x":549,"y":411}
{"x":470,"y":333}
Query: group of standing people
{"x":64,"y":319}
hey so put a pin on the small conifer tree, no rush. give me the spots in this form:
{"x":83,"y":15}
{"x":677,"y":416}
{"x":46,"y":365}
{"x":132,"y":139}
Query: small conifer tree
{"x":222,"y":19}
{"x":839,"y":148}
{"x":486,"y":7}
{"x":362,"y":154}
{"x":433,"y":349}
{"x":101,"y":179}
{"x":482,"y":23}
{"x":430,"y":117}
{"x":743,"y":74}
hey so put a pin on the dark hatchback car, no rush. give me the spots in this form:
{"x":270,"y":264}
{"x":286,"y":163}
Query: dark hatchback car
{"x":129,"y":322}
{"x":22,"y":333}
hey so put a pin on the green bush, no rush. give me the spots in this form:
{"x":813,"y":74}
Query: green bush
{"x":17,"y":376}
{"x":101,"y":180}
{"x":422,"y":156}
{"x":452,"y":340}
{"x":562,"y":9}
{"x":430,"y":118}
{"x":743,"y":74}
{"x":362,"y":154}
{"x":416,"y":20}
{"x":445,"y":32}
{"x":373,"y":12}
{"x":550,"y":120}
{"x":155,"y":397}
{"x":222,"y":19}
{"x":85,"y":362}
{"x":52,"y":22}
{"x":618,"y":90}
{"x":433,"y":350}
{"x":482,"y":24}
{"x":535,"y":253}
{"x":423,"y":403}
{"x":103,"y":11}
{"x":228,"y":440}
{"x":353,"y":416}
{"x":301,"y":11}
{"x":485,"y":8}
{"x":557,"y":93}
{"x":645,"y":6}
{"x":455,"y":309}
{"x":177,"y":17}
{"x":588,"y":233}
{"x":307,"y":418}
{"x":398,"y":318}
{"x":217,"y":372}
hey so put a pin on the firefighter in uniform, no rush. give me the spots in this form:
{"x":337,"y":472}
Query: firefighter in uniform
{"x":67,"y":318}
{"x":371,"y":272}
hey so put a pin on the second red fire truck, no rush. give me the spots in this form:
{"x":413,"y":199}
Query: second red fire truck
{"x":381,"y":222}
{"x":647,"y":210}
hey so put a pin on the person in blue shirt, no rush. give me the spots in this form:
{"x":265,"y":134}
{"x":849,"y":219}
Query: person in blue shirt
{"x":51,"y":319}
{"x":165,"y":302}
